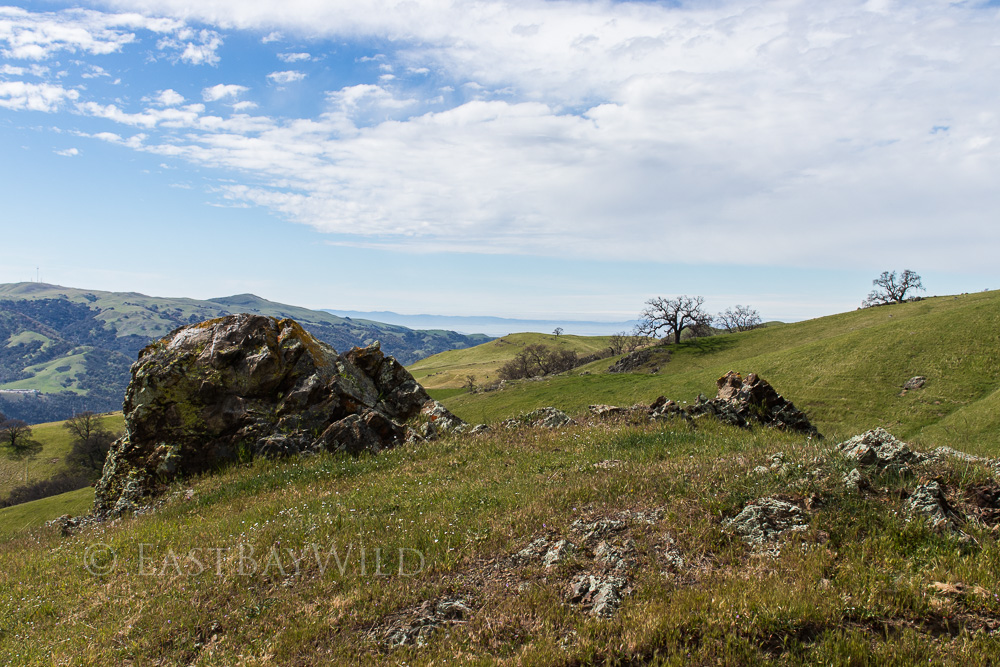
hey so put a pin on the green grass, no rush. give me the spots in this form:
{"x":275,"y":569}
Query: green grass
{"x":20,"y":518}
{"x":448,"y":370}
{"x":862,"y":585}
{"x":846,"y":371}
{"x":167,"y":587}
{"x":54,"y":376}
{"x":29,"y":337}
{"x":56,"y":444}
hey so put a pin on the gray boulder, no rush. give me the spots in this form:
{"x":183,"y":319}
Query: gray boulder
{"x":741,"y":401}
{"x":246,"y":385}
{"x":542,"y":417}
{"x":929,"y":503}
{"x":766,"y":520}
{"x":878,"y":449}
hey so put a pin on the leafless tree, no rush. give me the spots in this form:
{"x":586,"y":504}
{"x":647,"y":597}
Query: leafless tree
{"x":738,"y":318}
{"x":558,"y":331}
{"x":624,"y":343}
{"x":892,"y":289}
{"x":91,"y":441}
{"x":672,"y":316}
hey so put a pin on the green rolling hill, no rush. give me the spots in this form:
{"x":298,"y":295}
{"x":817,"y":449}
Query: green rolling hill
{"x":449,"y":370}
{"x":75,"y":346}
{"x":846,"y":371}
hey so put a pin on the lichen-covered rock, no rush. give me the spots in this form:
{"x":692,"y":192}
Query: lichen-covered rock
{"x":740,"y":401}
{"x":607,"y":411}
{"x":542,"y":417}
{"x":439,"y":421}
{"x":247,"y":385}
{"x":878,"y":449}
{"x":559,"y":552}
{"x":855,"y":480}
{"x":417,"y":627}
{"x":928,"y":502}
{"x":767,"y":520}
{"x":600,"y":594}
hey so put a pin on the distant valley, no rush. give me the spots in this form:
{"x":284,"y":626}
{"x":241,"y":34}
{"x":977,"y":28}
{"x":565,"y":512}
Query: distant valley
{"x":64,"y":350}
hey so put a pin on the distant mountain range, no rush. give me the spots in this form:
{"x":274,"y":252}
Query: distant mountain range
{"x":75,"y":346}
{"x":492,"y":326}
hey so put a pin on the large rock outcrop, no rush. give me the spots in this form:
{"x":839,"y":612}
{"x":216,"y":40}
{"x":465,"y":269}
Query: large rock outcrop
{"x":244,"y":385}
{"x":740,"y":401}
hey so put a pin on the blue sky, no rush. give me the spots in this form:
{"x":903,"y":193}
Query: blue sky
{"x":534,"y":159}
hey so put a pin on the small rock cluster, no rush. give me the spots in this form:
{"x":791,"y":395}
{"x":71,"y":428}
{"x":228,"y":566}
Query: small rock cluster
{"x":739,"y":401}
{"x":878,"y":449}
{"x":607,"y":553}
{"x":877,"y":452}
{"x":630,"y":362}
{"x":767,"y":520}
{"x":415,"y":628}
{"x":548,"y":417}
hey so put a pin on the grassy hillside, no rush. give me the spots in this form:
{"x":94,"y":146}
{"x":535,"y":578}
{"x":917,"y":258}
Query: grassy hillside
{"x":448,"y":370}
{"x":428,"y":554}
{"x":21,"y":518}
{"x":56,"y":444}
{"x":262,"y":564}
{"x":846,"y":371}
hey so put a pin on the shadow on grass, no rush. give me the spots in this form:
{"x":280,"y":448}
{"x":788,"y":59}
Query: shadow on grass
{"x":708,"y":345}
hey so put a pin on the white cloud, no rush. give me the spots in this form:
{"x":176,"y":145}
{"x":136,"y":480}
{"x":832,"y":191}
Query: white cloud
{"x":294,"y":57}
{"x":168,"y":98}
{"x":289,"y":76}
{"x":69,"y":152}
{"x":222,"y":91}
{"x":11,"y":70}
{"x":244,"y":106}
{"x":38,"y":35}
{"x":21,"y":96}
{"x":271,"y":37}
{"x":780,"y":132}
{"x":94,"y":72}
{"x":193,"y":47}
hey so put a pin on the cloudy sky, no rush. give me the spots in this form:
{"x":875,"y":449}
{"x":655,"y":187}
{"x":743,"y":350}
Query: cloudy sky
{"x":520,"y":158}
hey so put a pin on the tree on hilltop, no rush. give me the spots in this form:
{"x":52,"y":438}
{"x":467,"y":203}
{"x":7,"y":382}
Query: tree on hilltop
{"x":739,"y":318}
{"x":892,"y":289}
{"x":672,"y":316}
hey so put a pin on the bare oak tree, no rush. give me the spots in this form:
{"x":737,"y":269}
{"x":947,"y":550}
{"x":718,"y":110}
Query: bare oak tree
{"x":672,"y":316}
{"x":738,"y":318}
{"x":891,"y":289}
{"x":91,"y":441}
{"x":624,"y":343}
